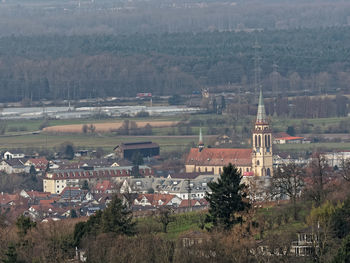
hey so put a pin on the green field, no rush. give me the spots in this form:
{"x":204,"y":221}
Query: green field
{"x":181,"y":223}
{"x":312,"y":147}
{"x":91,"y":141}
{"x":168,"y":138}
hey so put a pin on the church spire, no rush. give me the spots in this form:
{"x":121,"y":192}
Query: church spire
{"x":261,"y":116}
{"x":200,"y":142}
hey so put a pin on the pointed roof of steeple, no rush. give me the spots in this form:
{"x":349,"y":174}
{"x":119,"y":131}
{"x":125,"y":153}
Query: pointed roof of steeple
{"x":200,"y":137}
{"x":261,"y":116}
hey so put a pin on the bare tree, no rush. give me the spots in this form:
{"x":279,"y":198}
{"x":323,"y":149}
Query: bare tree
{"x":165,"y":217}
{"x":317,"y":178}
{"x":288,"y":180}
{"x":345,"y":169}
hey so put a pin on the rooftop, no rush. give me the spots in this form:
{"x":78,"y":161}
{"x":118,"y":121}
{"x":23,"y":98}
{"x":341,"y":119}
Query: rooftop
{"x":219,"y":157}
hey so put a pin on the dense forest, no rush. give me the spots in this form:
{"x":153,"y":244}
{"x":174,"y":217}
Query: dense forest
{"x":60,"y":67}
{"x":154,"y":16}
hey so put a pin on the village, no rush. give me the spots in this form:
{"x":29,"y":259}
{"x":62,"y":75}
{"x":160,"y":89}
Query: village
{"x":85,"y":184}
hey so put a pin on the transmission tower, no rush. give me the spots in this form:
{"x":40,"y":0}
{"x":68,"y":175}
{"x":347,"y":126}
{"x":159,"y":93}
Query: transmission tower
{"x":256,"y":69}
{"x":274,"y":86}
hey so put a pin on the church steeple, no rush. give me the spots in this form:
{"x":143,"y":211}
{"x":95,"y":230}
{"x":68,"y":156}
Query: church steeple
{"x":200,"y":142}
{"x":262,"y":163}
{"x":261,"y":115}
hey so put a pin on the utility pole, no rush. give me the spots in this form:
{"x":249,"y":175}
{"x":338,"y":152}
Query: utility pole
{"x":189,"y":190}
{"x":274,"y":87}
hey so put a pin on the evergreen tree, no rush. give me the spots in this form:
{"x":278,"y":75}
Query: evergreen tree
{"x":135,"y":171}
{"x":73,"y":213}
{"x":341,"y":220}
{"x":227,"y":198}
{"x":137,"y":159}
{"x":85,"y":185}
{"x":343,"y":255}
{"x":215,"y":106}
{"x":32,"y":170}
{"x":290,"y":130}
{"x":223,"y":103}
{"x":165,"y":217}
{"x":24,"y":224}
{"x":69,"y":152}
{"x":11,"y":255}
{"x":117,"y":218}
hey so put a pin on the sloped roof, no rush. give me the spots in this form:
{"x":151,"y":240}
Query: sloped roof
{"x":155,"y":198}
{"x":192,"y":175}
{"x":185,"y":203}
{"x":71,"y":193}
{"x":36,"y":194}
{"x":219,"y":157}
{"x":104,"y":185}
{"x":46,"y":202}
{"x":15,"y":162}
{"x":7,"y":198}
{"x":137,"y":145}
{"x":38,"y":161}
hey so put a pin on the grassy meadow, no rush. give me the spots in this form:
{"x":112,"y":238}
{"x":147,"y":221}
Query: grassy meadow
{"x":18,"y":133}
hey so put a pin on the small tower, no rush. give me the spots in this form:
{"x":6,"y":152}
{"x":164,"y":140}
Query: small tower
{"x":200,"y":142}
{"x":262,"y":143}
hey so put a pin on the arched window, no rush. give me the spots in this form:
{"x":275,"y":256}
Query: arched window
{"x":257,"y":162}
{"x":199,"y":169}
{"x":266,"y":145}
{"x":259,"y":141}
{"x":262,"y":171}
{"x":268,"y":172}
{"x":256,"y":141}
{"x":269,"y":140}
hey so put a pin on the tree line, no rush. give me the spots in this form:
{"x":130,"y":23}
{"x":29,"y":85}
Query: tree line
{"x":125,"y":17}
{"x":309,"y":61}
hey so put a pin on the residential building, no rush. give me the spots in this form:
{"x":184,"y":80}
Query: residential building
{"x":40,"y":164}
{"x":157,"y":200}
{"x":55,"y":181}
{"x":13,"y":154}
{"x":14,"y":166}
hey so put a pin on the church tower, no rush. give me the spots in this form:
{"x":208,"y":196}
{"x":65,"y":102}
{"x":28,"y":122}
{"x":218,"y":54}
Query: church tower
{"x":262,"y":143}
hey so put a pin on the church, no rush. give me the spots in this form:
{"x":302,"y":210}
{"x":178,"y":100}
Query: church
{"x":256,"y":161}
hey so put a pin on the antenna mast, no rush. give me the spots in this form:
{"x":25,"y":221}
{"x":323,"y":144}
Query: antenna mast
{"x":256,"y":69}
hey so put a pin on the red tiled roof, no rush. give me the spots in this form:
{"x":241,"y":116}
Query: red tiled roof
{"x":38,"y":161}
{"x":155,"y":198}
{"x":36,"y":194}
{"x":184,"y":203}
{"x":219,"y":157}
{"x":7,"y":198}
{"x":46,"y":202}
{"x":290,"y":138}
{"x":103,"y":186}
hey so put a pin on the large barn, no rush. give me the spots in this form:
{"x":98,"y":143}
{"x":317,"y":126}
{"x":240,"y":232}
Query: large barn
{"x":131,"y":149}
